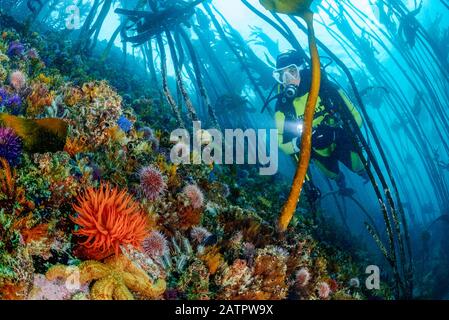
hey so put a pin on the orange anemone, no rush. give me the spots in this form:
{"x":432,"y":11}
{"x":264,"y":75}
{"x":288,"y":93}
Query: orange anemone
{"x":109,"y":218}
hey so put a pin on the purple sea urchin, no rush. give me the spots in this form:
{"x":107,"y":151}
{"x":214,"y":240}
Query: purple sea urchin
{"x":152,"y":182}
{"x":10,"y":145}
{"x":155,"y":245}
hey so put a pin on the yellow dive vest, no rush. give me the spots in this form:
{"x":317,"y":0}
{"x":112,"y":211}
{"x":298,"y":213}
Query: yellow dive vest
{"x":299,"y":103}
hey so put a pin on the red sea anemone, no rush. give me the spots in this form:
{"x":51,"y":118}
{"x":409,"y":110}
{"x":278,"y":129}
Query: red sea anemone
{"x":109,"y":218}
{"x":152,"y":183}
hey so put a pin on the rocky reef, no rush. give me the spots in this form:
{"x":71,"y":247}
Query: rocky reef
{"x":98,"y":211}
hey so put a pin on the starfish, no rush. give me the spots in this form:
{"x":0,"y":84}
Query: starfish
{"x":116,"y":279}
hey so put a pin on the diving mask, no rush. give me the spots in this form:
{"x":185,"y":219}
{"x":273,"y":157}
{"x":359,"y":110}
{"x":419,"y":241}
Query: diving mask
{"x":288,"y":75}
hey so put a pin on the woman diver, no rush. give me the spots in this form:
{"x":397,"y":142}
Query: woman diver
{"x":331,"y":143}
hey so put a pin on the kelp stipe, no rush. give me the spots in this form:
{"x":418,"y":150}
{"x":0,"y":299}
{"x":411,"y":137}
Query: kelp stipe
{"x":302,"y":9}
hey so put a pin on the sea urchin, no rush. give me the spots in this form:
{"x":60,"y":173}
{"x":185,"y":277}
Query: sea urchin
{"x":152,"y":183}
{"x":155,"y":245}
{"x":10,"y":145}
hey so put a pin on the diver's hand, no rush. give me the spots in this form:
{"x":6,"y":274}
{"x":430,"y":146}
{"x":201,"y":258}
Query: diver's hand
{"x":323,"y":137}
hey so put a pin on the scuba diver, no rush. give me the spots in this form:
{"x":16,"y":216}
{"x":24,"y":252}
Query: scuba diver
{"x":331,"y":143}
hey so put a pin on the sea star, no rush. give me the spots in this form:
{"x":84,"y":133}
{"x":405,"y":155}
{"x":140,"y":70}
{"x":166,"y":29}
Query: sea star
{"x":116,"y":279}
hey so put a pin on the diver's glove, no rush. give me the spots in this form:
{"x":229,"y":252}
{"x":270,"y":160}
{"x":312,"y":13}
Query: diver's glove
{"x":323,"y":136}
{"x":297,"y":144}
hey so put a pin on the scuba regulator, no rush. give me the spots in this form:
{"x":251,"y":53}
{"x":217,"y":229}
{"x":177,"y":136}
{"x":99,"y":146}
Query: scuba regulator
{"x":290,"y":92}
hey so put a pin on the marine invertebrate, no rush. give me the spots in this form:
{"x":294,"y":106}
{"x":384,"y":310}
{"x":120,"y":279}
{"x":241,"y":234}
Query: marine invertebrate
{"x":199,"y":234}
{"x":153,"y":268}
{"x":238,"y":270}
{"x":302,"y":277}
{"x":10,"y":146}
{"x":16,"y":48}
{"x":333,"y":285}
{"x":17,"y":79}
{"x":12,"y":197}
{"x":3,"y":73}
{"x":3,"y":96}
{"x":38,"y":135}
{"x":152,"y":182}
{"x":109,"y":218}
{"x":270,"y":274}
{"x":44,"y":289}
{"x":117,"y":278}
{"x":194,"y":282}
{"x":75,"y":146}
{"x":18,"y":288}
{"x":14,"y":104}
{"x":323,"y":289}
{"x":93,"y":109}
{"x":188,"y":217}
{"x":72,"y":95}
{"x":266,"y":279}
{"x":33,"y":54}
{"x":36,"y":233}
{"x":3,"y":57}
{"x":249,"y":251}
{"x":155,"y":245}
{"x":195,"y":196}
{"x":212,"y":258}
{"x":233,"y":280}
{"x":147,"y":132}
{"x":124,"y":123}
{"x":39,"y":98}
